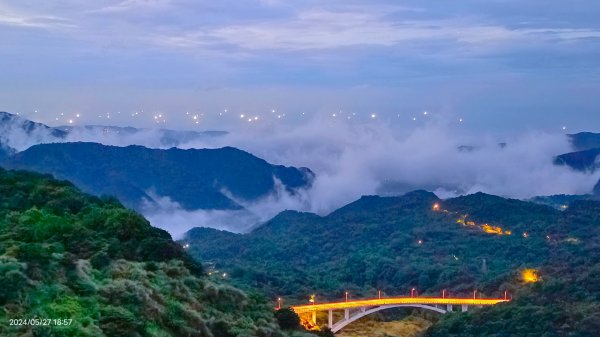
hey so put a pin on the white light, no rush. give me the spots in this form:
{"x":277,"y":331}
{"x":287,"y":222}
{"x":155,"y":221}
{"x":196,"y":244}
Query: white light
{"x":564,"y":127}
{"x":273,"y":111}
{"x":460,"y":120}
{"x":333,"y":115}
{"x":373,"y":116}
{"x":242,"y":116}
{"x":414,"y":118}
{"x":425,"y":113}
{"x":77,"y":115}
{"x":70,"y":121}
{"x":255,"y":118}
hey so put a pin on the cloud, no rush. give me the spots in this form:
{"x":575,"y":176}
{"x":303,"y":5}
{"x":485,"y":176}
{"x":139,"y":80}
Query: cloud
{"x":352,"y":157}
{"x":351,"y":160}
{"x":20,"y":19}
{"x":132,"y":5}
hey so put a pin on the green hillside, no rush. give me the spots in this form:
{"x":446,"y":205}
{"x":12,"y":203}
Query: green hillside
{"x":479,"y":241}
{"x":104,"y":271}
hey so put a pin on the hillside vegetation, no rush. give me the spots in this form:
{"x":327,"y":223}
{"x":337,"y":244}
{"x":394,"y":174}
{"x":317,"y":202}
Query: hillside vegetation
{"x":477,"y":242}
{"x":67,"y":255}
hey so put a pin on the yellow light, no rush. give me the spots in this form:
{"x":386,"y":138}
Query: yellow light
{"x":436,"y":207}
{"x":301,"y":309}
{"x":530,"y":275}
{"x":492,"y":229}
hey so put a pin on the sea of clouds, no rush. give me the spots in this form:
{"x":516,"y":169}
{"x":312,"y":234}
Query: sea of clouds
{"x":375,"y":157}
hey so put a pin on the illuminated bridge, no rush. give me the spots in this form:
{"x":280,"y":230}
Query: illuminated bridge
{"x":356,"y":309}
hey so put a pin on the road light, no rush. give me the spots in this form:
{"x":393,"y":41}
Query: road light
{"x":346,"y":293}
{"x":278,"y":303}
{"x":444,"y":292}
{"x":379,"y":294}
{"x":474,"y":294}
{"x":413,"y":291}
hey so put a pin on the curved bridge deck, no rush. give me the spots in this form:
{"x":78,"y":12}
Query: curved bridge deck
{"x":301,"y":309}
{"x":356,"y":309}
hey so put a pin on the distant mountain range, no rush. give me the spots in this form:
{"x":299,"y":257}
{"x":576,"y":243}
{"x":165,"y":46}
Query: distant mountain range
{"x":196,"y":179}
{"x":207,"y":179}
{"x":585,"y":158}
{"x":18,"y":133}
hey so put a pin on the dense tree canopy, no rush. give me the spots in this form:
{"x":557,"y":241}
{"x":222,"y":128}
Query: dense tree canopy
{"x":67,"y":255}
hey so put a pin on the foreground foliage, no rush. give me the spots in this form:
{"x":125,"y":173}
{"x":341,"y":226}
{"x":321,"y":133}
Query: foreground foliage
{"x":66,"y":255}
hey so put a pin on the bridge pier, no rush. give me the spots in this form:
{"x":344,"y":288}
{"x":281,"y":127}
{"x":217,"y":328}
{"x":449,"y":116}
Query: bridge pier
{"x":314,"y":318}
{"x":330,"y":320}
{"x":465,"y":308}
{"x":346,"y":313}
{"x":449,"y":308}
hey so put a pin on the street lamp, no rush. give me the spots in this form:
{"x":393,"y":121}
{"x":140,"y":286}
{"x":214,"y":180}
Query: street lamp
{"x":413,"y":291}
{"x":278,"y":303}
{"x":346,"y":293}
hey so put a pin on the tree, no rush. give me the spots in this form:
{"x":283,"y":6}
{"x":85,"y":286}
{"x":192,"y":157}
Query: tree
{"x":287,"y":319}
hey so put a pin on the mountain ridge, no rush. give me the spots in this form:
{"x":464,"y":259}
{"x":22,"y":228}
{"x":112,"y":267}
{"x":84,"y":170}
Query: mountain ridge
{"x":194,"y":178}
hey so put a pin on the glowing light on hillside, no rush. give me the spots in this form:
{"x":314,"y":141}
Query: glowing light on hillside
{"x":373,"y":116}
{"x":494,"y":230}
{"x":436,"y":207}
{"x":530,"y":275}
{"x":420,"y":242}
{"x":525,"y":235}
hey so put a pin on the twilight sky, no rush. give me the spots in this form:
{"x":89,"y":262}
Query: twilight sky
{"x":499,"y":65}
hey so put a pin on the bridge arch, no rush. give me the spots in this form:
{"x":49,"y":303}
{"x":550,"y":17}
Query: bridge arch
{"x":360,"y":314}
